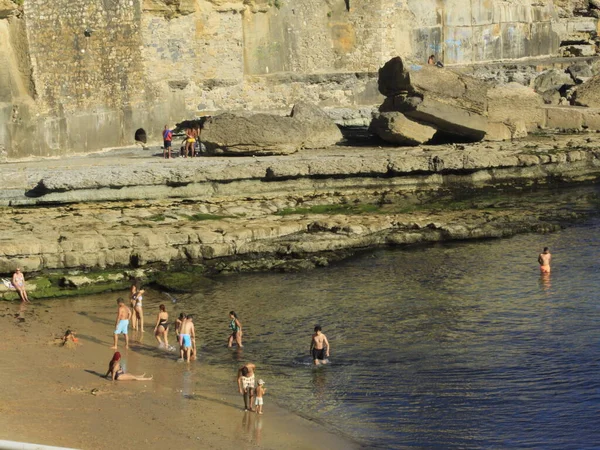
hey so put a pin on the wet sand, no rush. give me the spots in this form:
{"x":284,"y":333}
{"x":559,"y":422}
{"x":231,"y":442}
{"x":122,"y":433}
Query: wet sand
{"x":55,"y":395}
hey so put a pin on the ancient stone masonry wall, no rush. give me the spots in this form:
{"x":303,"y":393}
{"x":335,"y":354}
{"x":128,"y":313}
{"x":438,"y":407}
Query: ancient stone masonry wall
{"x":89,"y":73}
{"x":463,"y":32}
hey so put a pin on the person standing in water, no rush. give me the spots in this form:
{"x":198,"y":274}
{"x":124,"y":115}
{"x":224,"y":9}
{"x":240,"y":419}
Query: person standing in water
{"x":162,"y":327}
{"x":138,"y":310}
{"x":236,"y":330}
{"x":178,"y":323}
{"x":18,"y":281}
{"x":122,"y":322}
{"x":132,"y":301}
{"x":118,"y":374}
{"x":319,"y":347}
{"x":260,"y":391}
{"x":187,"y":339}
{"x":246,"y":384}
{"x":544,"y":259}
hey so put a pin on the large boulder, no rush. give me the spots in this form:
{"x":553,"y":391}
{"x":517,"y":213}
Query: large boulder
{"x":552,"y":79}
{"x":514,"y":102}
{"x":398,"y":129}
{"x":465,"y":125}
{"x":580,"y":71}
{"x":588,"y":94}
{"x":321,"y":130}
{"x":441,"y":84}
{"x":268,"y":134}
{"x":393,"y":78}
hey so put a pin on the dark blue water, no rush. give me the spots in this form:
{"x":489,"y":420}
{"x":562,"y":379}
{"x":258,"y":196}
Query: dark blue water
{"x":459,"y":345}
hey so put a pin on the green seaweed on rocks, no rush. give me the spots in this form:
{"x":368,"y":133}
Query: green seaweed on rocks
{"x":203,"y":216}
{"x":349,"y":209}
{"x":189,"y":280}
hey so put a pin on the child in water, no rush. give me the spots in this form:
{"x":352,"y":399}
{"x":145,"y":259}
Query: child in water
{"x":260,"y":391}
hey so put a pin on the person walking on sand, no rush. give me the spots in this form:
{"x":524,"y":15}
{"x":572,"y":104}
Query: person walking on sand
{"x":187,"y":339}
{"x":236,"y":330}
{"x":18,"y":281}
{"x":162,"y":327}
{"x":260,"y":391}
{"x":118,"y":374}
{"x":167,"y":141}
{"x":319,"y":347}
{"x":122,"y":322}
{"x":544,"y":259}
{"x":138,"y":311}
{"x":246,"y":384}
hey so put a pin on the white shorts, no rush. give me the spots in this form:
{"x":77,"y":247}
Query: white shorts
{"x":258,"y":401}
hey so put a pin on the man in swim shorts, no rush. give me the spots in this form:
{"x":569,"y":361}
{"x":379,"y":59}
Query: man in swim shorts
{"x":167,"y":141}
{"x":246,"y":384}
{"x":18,"y":281}
{"x":187,"y":339}
{"x":319,"y":347}
{"x":122,"y":322}
{"x":544,"y":260}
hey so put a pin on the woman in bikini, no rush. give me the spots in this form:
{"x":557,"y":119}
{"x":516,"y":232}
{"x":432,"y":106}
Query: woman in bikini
{"x":118,"y":374}
{"x":132,"y":301}
{"x":236,"y":330}
{"x":162,"y":327}
{"x":138,"y":311}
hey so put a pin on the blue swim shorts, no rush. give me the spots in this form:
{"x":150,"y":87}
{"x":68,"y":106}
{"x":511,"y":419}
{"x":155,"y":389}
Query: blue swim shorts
{"x":186,"y":340}
{"x":122,"y":326}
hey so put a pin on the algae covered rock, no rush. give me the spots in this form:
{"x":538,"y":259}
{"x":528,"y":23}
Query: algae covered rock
{"x":182,"y":282}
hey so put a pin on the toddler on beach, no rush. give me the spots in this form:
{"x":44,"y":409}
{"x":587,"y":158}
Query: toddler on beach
{"x":260,"y":391}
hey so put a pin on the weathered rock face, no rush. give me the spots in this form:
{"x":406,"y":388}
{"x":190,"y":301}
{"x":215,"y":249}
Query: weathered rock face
{"x":465,"y":125}
{"x":394,"y":78}
{"x":233,"y":218}
{"x":588,"y":94}
{"x":515,"y":103}
{"x":444,"y":85}
{"x":320,"y":130}
{"x":258,"y":134}
{"x":7,"y":8}
{"x":396,"y":128}
{"x":267,"y":134}
{"x":441,"y":98}
{"x":552,"y":79}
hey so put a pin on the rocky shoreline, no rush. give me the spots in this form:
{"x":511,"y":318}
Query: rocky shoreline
{"x":93,"y":222}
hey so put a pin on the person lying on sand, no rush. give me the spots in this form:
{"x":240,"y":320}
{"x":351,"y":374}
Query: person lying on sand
{"x":118,"y":374}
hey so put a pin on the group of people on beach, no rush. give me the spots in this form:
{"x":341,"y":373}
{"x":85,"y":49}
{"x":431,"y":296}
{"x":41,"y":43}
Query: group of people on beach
{"x":186,"y":336}
{"x":190,"y":146}
{"x":251,"y":390}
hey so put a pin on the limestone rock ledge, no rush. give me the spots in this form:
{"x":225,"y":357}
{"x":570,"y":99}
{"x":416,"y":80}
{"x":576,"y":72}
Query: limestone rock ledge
{"x":128,"y":210}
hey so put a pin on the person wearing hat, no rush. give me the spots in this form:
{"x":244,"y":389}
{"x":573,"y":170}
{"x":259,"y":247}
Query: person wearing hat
{"x":260,"y":391}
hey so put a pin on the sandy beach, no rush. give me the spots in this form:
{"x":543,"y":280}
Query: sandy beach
{"x":56,"y":395}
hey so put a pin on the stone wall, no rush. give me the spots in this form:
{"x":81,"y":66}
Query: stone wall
{"x":86,"y":74}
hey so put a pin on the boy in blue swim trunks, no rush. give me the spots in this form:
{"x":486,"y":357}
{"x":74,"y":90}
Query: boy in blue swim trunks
{"x":122,"y":322}
{"x":187,"y":339}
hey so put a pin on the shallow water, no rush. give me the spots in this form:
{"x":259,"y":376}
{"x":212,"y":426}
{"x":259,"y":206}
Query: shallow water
{"x":455,"y":345}
{"x":458,"y":345}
